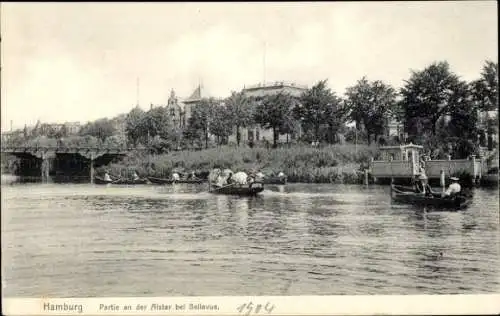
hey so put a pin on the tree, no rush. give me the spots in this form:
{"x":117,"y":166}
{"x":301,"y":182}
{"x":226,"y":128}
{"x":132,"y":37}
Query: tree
{"x":274,"y":112}
{"x":158,"y":122}
{"x":240,"y":111}
{"x":101,"y":129}
{"x":485,"y":90}
{"x":370,"y":104}
{"x":134,"y":125}
{"x":221,"y":123}
{"x":317,"y":107}
{"x":201,"y":117}
{"x":426,"y":96}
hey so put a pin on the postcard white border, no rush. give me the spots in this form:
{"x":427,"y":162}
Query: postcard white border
{"x":269,"y":305}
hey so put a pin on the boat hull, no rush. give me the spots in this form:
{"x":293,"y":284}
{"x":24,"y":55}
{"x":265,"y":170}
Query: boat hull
{"x":404,"y":195}
{"x":252,"y":190}
{"x":98,"y":180}
{"x":275,"y":180}
{"x":171,"y":181}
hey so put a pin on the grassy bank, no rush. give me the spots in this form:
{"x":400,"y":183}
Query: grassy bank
{"x":331,"y":164}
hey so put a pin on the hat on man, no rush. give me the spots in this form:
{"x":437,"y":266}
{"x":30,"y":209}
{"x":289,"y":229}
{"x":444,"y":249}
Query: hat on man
{"x":453,"y":178}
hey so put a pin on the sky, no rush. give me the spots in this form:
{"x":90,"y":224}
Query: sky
{"x":83,"y":61}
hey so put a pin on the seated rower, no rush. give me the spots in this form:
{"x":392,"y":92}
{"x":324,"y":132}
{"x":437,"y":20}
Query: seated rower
{"x":107,"y":177}
{"x":136,"y":176}
{"x":192,"y":176}
{"x":453,"y":189}
{"x":175,"y":176}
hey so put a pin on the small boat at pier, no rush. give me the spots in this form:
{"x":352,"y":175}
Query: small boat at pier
{"x":171,"y":181}
{"x":408,"y":195}
{"x":235,"y":189}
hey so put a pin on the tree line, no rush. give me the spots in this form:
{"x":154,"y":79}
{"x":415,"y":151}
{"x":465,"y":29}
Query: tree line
{"x":435,"y":106}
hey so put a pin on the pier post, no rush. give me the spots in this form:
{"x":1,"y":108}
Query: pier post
{"x":442,"y":180}
{"x":92,"y":168}
{"x":366,"y":176}
{"x":42,"y":168}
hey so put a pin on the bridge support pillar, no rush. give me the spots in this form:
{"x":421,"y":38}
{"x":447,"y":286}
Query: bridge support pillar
{"x":92,"y":168}
{"x":45,"y":168}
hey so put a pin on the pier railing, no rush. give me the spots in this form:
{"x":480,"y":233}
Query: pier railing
{"x":408,"y":168}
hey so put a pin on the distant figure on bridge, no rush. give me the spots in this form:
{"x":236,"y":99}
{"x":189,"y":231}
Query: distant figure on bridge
{"x":107,"y":178}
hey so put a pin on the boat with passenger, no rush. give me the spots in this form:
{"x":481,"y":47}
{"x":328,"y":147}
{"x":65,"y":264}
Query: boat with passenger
{"x":251,"y":189}
{"x":430,"y":198}
{"x":171,"y":181}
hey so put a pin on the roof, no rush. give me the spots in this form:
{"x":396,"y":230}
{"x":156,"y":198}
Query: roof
{"x":197,"y":94}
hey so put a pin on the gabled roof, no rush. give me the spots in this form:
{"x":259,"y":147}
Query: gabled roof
{"x":197,"y":94}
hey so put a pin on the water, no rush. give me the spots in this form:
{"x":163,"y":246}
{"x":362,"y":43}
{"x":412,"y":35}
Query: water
{"x":88,"y":241}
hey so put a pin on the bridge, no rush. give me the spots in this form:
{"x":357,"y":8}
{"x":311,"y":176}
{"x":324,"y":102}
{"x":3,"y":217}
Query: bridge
{"x":45,"y":158}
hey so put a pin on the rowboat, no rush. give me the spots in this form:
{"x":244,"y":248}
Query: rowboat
{"x":170,"y":181}
{"x":99,"y":180}
{"x":242,"y":190}
{"x":407,"y":195}
{"x":274,"y":180}
{"x":130,"y":181}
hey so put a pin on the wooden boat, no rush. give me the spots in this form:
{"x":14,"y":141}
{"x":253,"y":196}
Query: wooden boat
{"x":408,"y":195}
{"x":170,"y":181}
{"x":275,"y":180}
{"x":235,"y":189}
{"x":99,"y":180}
{"x":130,"y":181}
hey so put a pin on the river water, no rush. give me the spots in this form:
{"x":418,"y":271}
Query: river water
{"x":89,"y":240}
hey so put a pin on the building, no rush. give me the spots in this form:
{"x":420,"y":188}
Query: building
{"x":181,"y":110}
{"x":72,"y":128}
{"x":258,"y":92}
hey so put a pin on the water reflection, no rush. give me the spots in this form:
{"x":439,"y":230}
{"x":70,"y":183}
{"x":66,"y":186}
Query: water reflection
{"x":299,"y":240}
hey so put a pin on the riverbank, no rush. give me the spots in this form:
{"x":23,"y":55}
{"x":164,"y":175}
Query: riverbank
{"x":305,"y":164}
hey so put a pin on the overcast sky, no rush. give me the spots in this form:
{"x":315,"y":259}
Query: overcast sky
{"x":79,"y":62}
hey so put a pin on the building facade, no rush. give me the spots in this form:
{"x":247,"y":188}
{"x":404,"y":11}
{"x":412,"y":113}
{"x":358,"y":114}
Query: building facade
{"x":258,"y":92}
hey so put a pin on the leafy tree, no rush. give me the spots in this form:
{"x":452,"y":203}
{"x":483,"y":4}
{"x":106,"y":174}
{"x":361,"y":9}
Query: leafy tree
{"x":201,"y":117}
{"x":370,"y":104}
{"x":485,"y":90}
{"x":274,"y":112}
{"x":158,"y":122}
{"x":101,"y":129}
{"x":426,"y":97}
{"x":240,"y":111}
{"x":134,"y":125}
{"x":221,"y":123}
{"x":318,"y":106}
